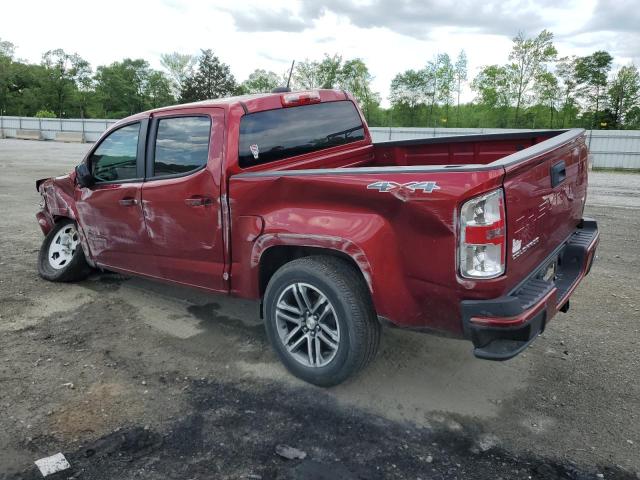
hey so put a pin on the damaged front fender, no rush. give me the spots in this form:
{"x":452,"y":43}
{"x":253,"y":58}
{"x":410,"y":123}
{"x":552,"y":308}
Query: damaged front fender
{"x":58,"y":196}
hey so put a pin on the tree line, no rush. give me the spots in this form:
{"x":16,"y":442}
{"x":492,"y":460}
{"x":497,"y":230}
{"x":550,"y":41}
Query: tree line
{"x":535,"y":88}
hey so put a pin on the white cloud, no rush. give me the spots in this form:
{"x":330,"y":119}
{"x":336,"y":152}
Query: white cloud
{"x":391,"y":36}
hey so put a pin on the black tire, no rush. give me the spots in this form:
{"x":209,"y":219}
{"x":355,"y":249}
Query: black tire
{"x":74,"y":269}
{"x":349,"y":297}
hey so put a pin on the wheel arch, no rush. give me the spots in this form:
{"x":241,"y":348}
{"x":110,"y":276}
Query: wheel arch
{"x":276,"y":254}
{"x":275,"y":257}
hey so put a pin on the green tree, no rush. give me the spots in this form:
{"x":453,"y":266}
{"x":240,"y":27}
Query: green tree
{"x":158,"y":90}
{"x":212,"y":79}
{"x":332,"y":72}
{"x":591,"y":75}
{"x":120,"y":87}
{"x":566,"y":72}
{"x":329,"y":71}
{"x":494,"y":91}
{"x":23,"y":92}
{"x":445,"y":83}
{"x":460,"y":75}
{"x":409,"y":90}
{"x":354,"y":77}
{"x":179,"y":67}
{"x":632,"y":119}
{"x":624,"y":94}
{"x":430,"y":79}
{"x":493,"y":87}
{"x":45,"y":114}
{"x":64,"y":72}
{"x":548,"y":93}
{"x":311,"y":74}
{"x":529,"y":58}
{"x":306,"y":75}
{"x":7,"y":50}
{"x":261,"y":81}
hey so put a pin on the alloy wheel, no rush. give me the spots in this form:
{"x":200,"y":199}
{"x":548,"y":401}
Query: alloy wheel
{"x":307,"y":325}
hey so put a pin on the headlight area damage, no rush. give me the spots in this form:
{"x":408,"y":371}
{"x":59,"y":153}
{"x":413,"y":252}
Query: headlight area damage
{"x":58,"y":203}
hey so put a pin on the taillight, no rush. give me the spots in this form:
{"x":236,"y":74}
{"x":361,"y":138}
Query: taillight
{"x":483,"y":236}
{"x":296,"y":99}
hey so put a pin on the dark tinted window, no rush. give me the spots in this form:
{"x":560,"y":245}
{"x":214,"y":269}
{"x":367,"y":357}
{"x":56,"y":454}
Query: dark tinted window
{"x":182,"y":145}
{"x":115,"y":158}
{"x":276,"y":134}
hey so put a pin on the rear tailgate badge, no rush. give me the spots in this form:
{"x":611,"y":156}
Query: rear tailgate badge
{"x":517,"y":249}
{"x":386,"y":186}
{"x":517,"y":245}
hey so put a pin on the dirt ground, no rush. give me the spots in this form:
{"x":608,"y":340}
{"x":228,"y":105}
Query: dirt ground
{"x":132,"y":379}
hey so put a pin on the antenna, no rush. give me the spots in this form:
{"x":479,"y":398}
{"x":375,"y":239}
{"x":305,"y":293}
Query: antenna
{"x":285,"y":89}
{"x":290,"y":72}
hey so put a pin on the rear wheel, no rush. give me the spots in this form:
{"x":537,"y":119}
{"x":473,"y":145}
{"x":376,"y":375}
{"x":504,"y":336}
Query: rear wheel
{"x":320,"y":319}
{"x":61,"y":258}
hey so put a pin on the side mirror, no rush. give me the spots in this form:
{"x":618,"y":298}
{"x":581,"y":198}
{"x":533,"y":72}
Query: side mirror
{"x":83,"y":176}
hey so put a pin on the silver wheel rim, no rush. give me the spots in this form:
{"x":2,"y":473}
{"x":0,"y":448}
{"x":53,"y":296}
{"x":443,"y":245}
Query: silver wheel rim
{"x":307,"y":325}
{"x":63,"y":247}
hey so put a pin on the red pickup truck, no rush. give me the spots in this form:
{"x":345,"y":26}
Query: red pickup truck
{"x":284,"y":198}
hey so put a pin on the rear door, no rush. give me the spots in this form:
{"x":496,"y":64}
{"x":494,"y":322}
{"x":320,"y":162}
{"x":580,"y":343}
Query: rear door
{"x":181,"y":196}
{"x":110,"y":212}
{"x":545,"y":196}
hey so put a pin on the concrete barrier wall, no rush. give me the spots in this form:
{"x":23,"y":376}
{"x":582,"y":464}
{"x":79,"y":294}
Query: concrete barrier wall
{"x":73,"y":137}
{"x":29,"y":134}
{"x":609,"y":148}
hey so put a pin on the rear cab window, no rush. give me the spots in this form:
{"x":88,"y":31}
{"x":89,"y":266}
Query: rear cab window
{"x":283,"y":133}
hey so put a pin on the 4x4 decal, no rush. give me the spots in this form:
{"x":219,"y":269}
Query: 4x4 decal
{"x":386,"y":186}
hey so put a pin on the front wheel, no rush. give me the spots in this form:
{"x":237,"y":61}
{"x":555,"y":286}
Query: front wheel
{"x":320,"y":319}
{"x":61,"y":258}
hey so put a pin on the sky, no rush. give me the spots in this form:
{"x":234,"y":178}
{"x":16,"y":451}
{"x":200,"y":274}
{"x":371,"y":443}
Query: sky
{"x":389,"y":35}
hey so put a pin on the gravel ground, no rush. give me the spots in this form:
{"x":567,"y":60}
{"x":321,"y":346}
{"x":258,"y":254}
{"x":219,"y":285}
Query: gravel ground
{"x":132,"y":379}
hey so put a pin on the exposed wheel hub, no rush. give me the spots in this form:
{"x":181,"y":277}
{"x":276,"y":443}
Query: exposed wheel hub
{"x":311,"y":321}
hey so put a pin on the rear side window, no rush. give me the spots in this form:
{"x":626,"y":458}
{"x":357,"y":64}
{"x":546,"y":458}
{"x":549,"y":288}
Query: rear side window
{"x":276,"y":134}
{"x":182,"y":145}
{"x":116,"y":157}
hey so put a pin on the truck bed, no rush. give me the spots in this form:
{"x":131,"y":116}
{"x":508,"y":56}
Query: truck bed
{"x":480,"y":149}
{"x":448,"y":152}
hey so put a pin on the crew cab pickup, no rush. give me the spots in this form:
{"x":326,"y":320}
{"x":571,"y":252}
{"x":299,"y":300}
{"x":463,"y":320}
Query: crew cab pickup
{"x":285,"y":199}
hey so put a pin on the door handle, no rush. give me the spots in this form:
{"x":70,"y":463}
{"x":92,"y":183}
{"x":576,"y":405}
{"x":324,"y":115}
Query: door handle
{"x":198,"y":201}
{"x":128,"y":202}
{"x":558,"y":173}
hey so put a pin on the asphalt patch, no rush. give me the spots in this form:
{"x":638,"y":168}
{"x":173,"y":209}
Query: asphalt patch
{"x":232,"y":431}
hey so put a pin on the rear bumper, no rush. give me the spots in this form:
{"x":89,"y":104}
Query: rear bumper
{"x":501,"y":328}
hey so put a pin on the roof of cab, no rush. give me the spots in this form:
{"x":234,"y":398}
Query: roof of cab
{"x":250,"y":103}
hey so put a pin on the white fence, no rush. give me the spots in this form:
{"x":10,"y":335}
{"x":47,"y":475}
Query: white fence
{"x":49,"y":127}
{"x":609,"y":148}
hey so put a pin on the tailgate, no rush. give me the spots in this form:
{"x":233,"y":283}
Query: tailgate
{"x":545,"y":191}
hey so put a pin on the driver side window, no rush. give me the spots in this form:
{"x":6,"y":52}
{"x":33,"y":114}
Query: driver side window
{"x":116,"y":157}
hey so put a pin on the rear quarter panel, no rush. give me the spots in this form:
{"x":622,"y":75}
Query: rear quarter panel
{"x":403,"y":242}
